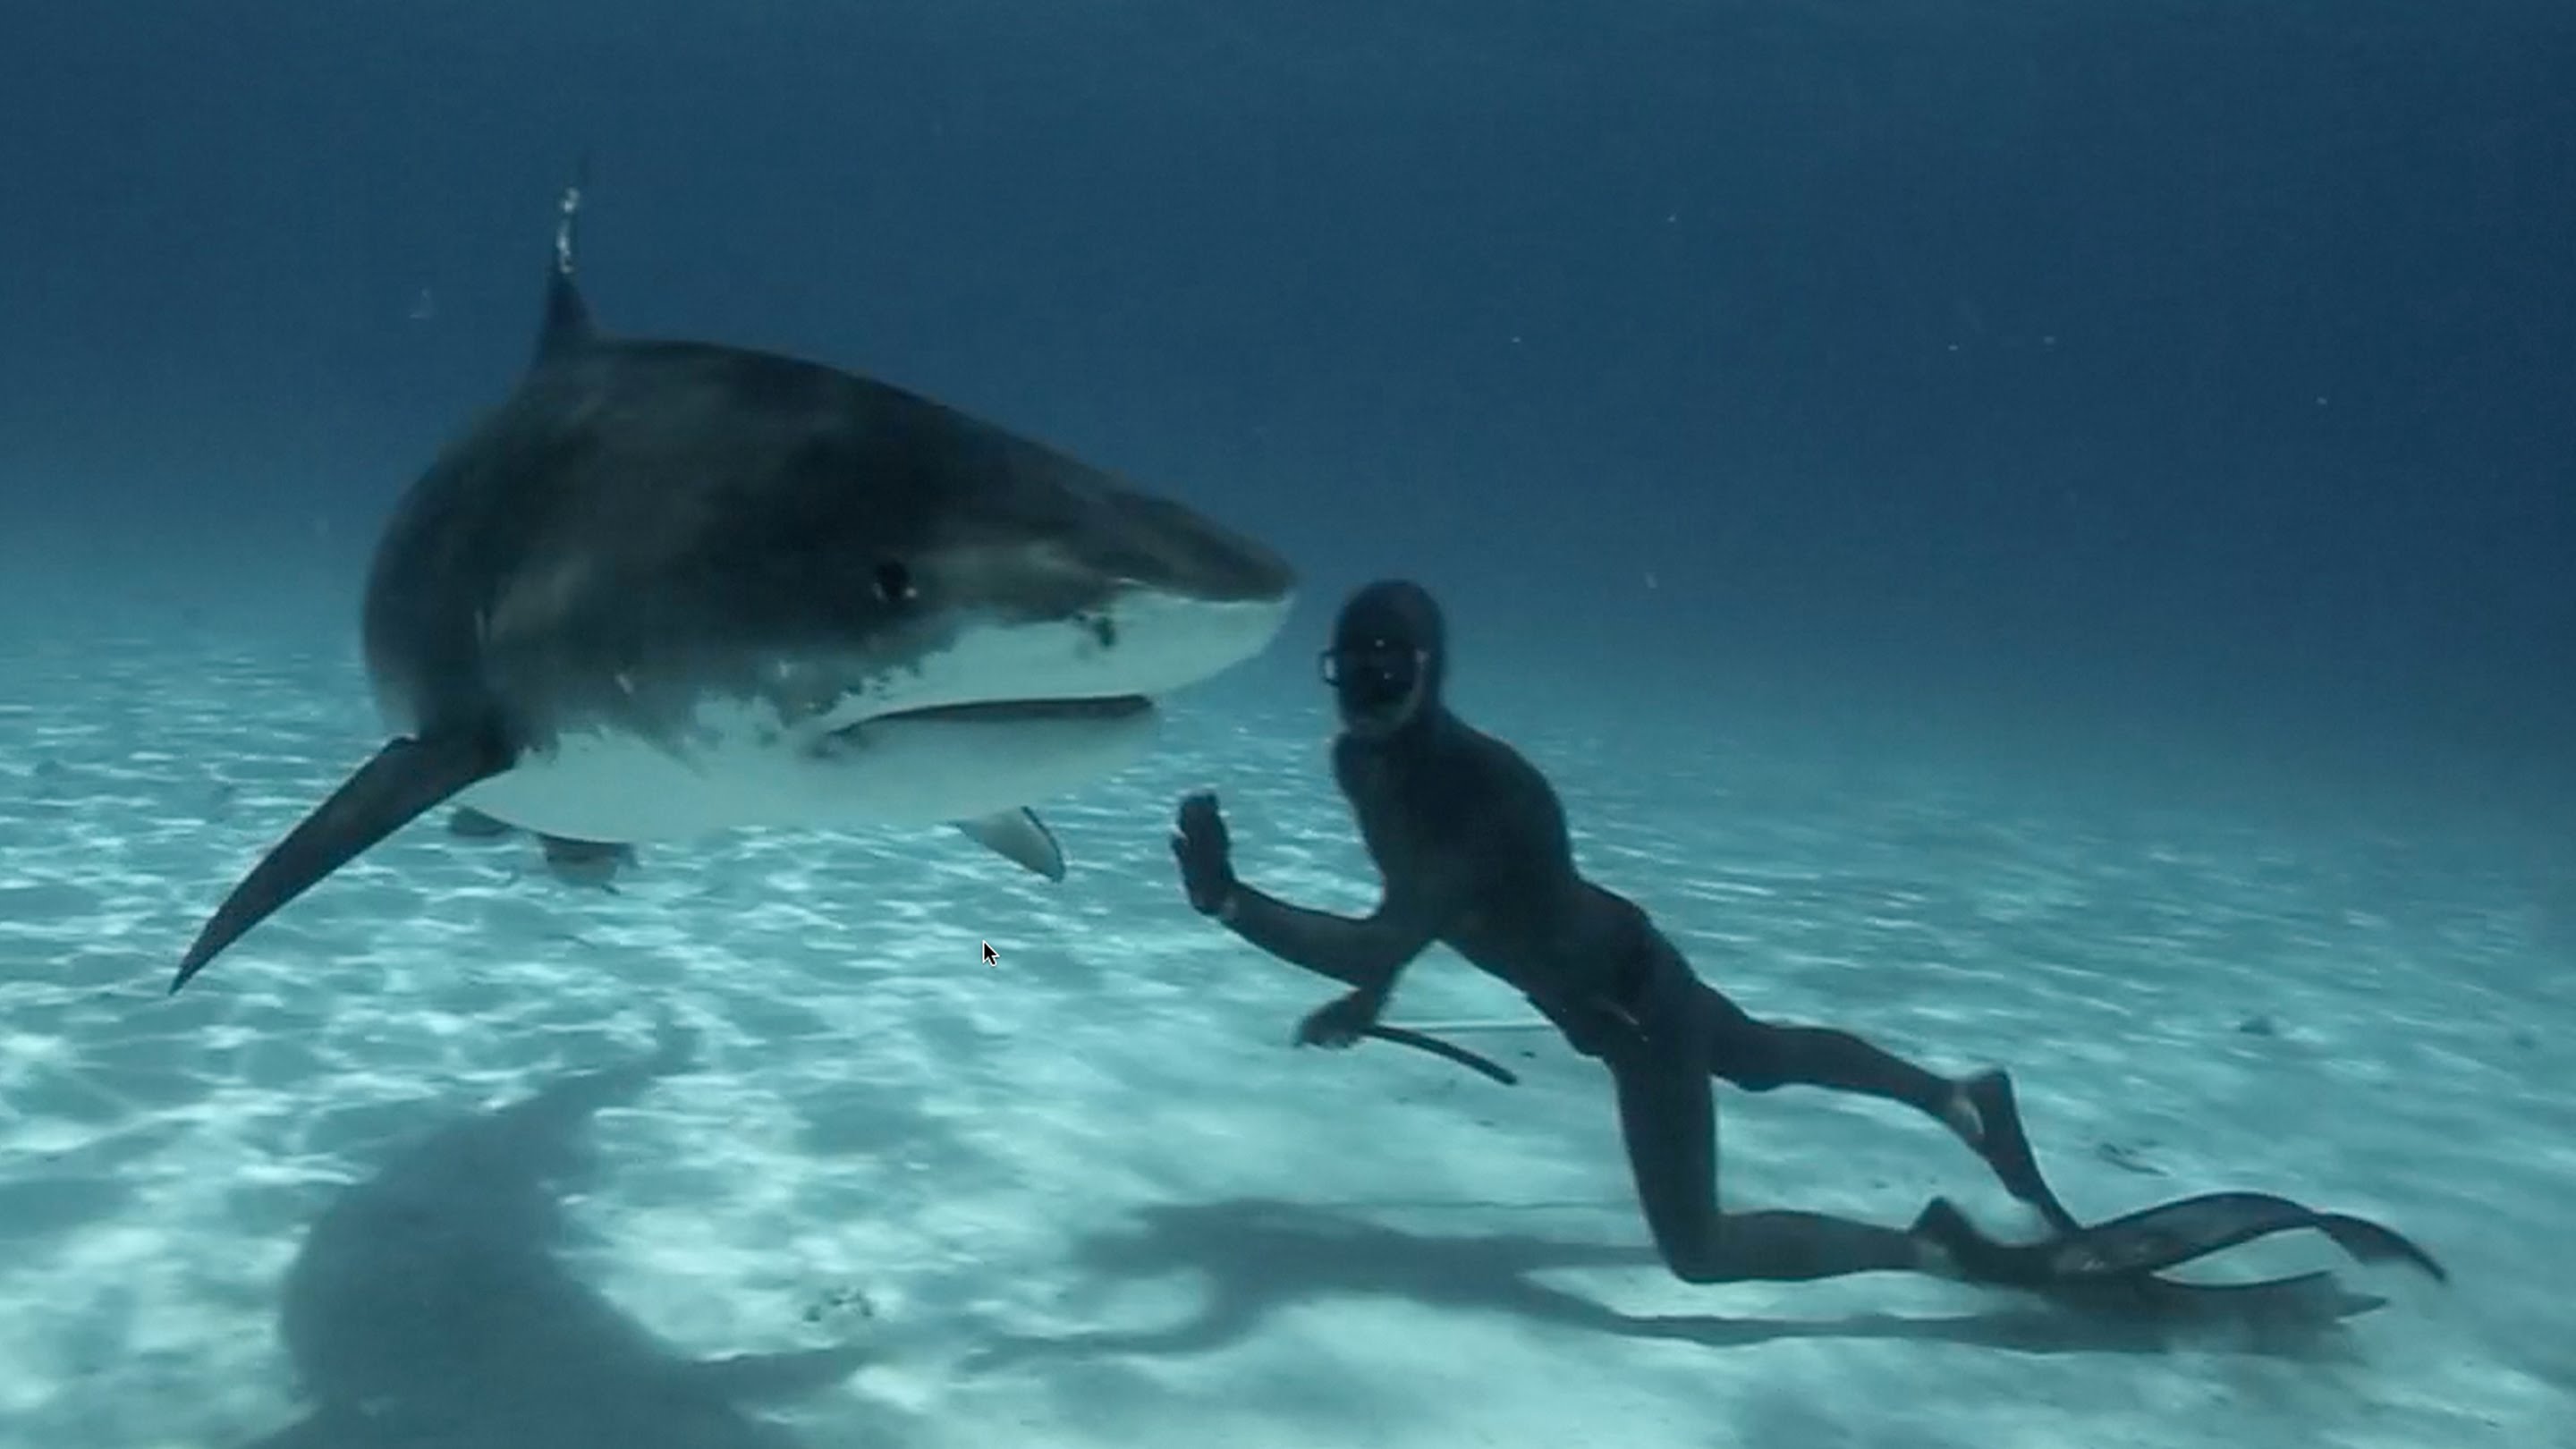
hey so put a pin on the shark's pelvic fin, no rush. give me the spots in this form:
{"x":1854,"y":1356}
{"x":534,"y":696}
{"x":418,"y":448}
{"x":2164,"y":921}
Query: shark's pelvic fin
{"x":1021,"y":837}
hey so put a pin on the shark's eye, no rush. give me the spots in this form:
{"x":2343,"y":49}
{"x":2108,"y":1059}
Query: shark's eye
{"x":894,"y":582}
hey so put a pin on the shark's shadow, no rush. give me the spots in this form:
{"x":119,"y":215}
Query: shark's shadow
{"x":1256,"y":1257}
{"x":429,"y":1307}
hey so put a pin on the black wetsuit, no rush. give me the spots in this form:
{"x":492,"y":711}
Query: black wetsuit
{"x":1472,"y":843}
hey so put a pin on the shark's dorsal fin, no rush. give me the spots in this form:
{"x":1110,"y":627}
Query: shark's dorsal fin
{"x":567,"y":326}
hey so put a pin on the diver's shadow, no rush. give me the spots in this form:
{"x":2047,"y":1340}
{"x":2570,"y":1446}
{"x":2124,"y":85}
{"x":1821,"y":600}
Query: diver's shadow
{"x":1256,"y":1257}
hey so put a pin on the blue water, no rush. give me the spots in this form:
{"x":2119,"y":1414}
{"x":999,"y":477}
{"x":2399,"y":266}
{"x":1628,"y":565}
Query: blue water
{"x":2036,"y":533}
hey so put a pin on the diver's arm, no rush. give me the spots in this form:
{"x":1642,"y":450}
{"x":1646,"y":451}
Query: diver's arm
{"x":1365,"y":954}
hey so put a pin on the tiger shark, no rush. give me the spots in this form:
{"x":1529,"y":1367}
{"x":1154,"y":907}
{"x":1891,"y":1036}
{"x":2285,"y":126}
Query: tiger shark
{"x":666,"y":588}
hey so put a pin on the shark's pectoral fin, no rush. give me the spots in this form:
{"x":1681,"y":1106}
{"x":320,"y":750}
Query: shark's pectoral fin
{"x":1019,"y":836}
{"x":756,"y":1376}
{"x":405,"y":780}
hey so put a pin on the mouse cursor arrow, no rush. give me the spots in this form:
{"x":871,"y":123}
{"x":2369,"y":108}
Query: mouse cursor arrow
{"x":991,"y":956}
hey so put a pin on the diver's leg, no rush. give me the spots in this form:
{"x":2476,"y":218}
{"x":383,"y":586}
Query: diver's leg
{"x":1759,"y":1056}
{"x":1668,"y":1118}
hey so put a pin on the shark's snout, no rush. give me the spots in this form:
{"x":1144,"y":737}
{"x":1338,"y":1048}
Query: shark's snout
{"x":1087,"y":592}
{"x":1162,"y":545}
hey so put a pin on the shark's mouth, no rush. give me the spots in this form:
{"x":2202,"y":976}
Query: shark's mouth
{"x":1025,"y":711}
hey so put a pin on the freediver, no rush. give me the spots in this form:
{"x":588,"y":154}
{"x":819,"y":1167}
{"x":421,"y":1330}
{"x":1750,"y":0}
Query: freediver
{"x":1472,"y":844}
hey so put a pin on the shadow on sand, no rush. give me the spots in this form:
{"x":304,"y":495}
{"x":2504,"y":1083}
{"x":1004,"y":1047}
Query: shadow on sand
{"x":1257,"y":1257}
{"x":428,"y":1307}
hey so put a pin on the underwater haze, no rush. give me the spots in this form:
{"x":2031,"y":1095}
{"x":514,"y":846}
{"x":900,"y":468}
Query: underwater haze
{"x":2041,"y":533}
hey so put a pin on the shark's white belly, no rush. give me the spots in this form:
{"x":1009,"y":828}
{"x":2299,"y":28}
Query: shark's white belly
{"x":608,"y":785}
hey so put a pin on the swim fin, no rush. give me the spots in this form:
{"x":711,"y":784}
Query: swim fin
{"x":2194,"y":1227}
{"x":2137,"y":1246}
{"x":2006,"y":1147}
{"x":2143,"y":1243}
